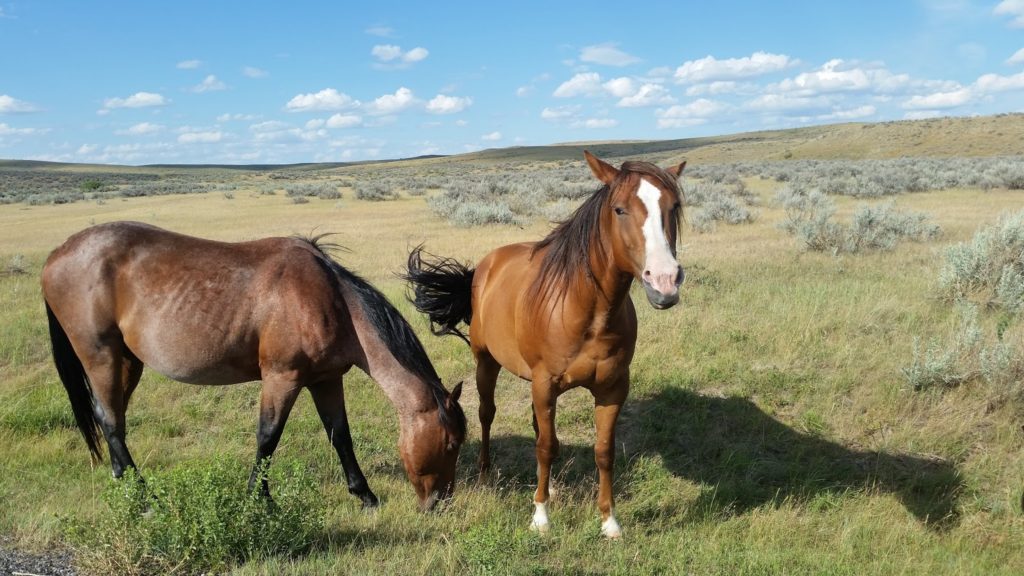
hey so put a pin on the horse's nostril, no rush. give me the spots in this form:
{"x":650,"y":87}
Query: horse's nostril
{"x":647,"y":274}
{"x":680,"y":276}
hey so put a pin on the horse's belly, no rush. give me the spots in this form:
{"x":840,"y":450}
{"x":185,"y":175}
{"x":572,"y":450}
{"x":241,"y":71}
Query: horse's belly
{"x":192,"y":362}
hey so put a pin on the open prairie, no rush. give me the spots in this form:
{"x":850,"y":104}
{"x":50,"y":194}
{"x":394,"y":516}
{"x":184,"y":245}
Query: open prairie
{"x":771,"y":427}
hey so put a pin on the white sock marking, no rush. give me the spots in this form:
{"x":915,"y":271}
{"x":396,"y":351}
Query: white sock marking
{"x":540,"y":517}
{"x":610,"y":528}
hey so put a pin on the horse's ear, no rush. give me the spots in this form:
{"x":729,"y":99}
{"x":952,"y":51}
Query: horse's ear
{"x":456,"y":392}
{"x":676,"y":171}
{"x":604,"y":171}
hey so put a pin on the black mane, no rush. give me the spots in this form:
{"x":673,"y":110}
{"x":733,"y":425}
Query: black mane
{"x":397,"y":335}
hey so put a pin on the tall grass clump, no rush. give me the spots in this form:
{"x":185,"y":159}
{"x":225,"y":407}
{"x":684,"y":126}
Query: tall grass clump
{"x":198,"y":518}
{"x":880,"y":227}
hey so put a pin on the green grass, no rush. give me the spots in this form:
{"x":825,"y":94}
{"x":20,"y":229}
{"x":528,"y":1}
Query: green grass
{"x":769,"y":429}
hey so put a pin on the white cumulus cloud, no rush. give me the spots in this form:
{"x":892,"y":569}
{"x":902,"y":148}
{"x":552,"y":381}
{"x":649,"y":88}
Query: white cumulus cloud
{"x":137,"y":100}
{"x":201,"y":137}
{"x":209,"y":84}
{"x":1012,"y":8}
{"x":691,"y":114}
{"x":1017,"y":58}
{"x":254,"y":72}
{"x":9,"y":105}
{"x":189,"y":64}
{"x":582,"y":84}
{"x":647,"y":95}
{"x":607,"y":54}
{"x":393,"y":55}
{"x":559,"y":112}
{"x":141,"y":129}
{"x":596,"y":123}
{"x":491,"y":137}
{"x":939,"y":100}
{"x":442,"y":104}
{"x":6,"y":130}
{"x":393,"y":103}
{"x":326,"y":99}
{"x":838,"y":75}
{"x":788,"y":103}
{"x":709,"y":68}
{"x":620,"y":87}
{"x":343,"y":121}
{"x":989,"y":83}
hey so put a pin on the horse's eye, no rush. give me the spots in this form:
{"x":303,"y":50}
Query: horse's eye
{"x":620,"y":211}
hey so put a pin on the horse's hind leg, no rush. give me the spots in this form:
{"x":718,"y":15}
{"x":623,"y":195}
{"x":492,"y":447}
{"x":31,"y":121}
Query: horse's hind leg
{"x":486,"y":378}
{"x":329,"y":398}
{"x":114,"y":373}
{"x":276,"y":400}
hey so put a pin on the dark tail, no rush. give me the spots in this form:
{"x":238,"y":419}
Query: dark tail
{"x":443,"y":290}
{"x":72,"y":374}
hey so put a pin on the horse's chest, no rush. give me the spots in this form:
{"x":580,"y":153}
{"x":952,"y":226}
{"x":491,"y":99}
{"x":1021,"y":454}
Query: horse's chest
{"x":595,"y":364}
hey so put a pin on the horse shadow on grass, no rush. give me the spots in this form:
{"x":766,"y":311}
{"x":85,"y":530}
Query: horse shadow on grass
{"x":744,"y":458}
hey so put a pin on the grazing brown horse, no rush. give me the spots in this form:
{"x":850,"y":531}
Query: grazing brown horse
{"x":558,"y":312}
{"x":123,"y":295}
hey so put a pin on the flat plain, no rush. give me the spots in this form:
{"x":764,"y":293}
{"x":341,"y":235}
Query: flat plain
{"x":770,"y":427}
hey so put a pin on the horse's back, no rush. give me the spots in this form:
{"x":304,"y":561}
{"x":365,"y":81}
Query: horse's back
{"x":196,"y":310}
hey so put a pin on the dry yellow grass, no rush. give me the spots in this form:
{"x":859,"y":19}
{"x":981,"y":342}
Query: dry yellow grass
{"x":769,"y":429}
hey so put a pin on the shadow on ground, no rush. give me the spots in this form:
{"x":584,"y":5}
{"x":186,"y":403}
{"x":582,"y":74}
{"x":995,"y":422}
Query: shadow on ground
{"x":742,"y":458}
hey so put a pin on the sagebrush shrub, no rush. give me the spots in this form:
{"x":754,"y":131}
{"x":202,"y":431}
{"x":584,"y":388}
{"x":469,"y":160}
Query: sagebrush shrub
{"x":375,"y":191}
{"x":972,"y":352}
{"x":990,"y":267}
{"x":881,"y":227}
{"x":198,"y":518}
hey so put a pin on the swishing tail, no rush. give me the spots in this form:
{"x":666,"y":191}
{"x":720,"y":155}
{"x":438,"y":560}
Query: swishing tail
{"x":72,"y":374}
{"x":443,"y":290}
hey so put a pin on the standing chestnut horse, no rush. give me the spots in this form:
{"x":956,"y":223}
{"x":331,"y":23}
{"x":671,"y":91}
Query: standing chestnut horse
{"x":558,"y":312}
{"x":123,"y":295}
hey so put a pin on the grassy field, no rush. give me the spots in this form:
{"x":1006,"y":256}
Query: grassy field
{"x":769,"y":428}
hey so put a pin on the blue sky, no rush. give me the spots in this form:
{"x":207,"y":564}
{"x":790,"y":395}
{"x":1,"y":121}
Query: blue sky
{"x":260,"y":82}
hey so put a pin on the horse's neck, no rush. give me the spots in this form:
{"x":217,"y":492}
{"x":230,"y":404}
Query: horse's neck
{"x":406,"y":391}
{"x":611,"y":283}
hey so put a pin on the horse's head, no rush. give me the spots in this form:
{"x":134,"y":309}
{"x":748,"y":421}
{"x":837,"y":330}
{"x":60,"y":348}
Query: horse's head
{"x":430,"y":450}
{"x":645,"y":205}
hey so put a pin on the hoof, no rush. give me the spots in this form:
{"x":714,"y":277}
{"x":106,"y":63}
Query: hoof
{"x":540,"y":522}
{"x":540,"y":528}
{"x":610,"y":529}
{"x":370,"y":501}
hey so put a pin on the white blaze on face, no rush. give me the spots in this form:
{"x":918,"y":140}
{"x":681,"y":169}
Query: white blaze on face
{"x":660,"y":268}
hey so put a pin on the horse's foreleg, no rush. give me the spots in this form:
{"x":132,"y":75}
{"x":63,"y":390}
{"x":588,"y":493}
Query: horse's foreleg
{"x":276,"y":400}
{"x":606,"y":412}
{"x":329,"y":398}
{"x":547,"y":450}
{"x":486,"y":378}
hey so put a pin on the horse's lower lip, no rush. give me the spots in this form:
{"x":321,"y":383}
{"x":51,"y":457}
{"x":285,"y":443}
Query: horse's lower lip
{"x":658,"y":300}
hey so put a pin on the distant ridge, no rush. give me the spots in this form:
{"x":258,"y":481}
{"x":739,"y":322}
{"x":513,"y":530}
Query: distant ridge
{"x":999,"y":135}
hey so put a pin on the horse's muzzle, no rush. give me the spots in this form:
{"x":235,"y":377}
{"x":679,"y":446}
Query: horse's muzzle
{"x":662,"y":291}
{"x":658,"y":300}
